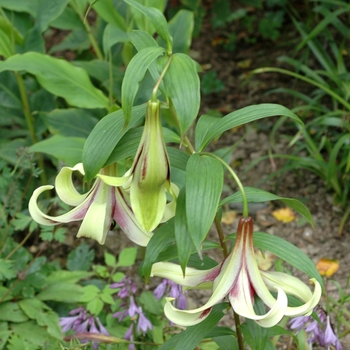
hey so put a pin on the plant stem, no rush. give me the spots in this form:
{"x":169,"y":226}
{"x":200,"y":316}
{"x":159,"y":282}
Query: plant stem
{"x":221,"y":235}
{"x":30,"y":125}
{"x":155,"y":89}
{"x":237,"y":180}
{"x":238,"y":331}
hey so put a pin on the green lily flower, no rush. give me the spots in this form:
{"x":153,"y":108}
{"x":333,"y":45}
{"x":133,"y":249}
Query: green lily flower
{"x":149,"y":175}
{"x":97,"y":208}
{"x":240,"y":279}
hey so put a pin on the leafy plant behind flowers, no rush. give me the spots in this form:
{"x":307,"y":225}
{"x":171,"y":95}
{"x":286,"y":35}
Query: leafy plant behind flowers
{"x":326,"y":136}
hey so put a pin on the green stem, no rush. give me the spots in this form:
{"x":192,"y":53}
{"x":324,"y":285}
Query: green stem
{"x":238,"y":331}
{"x":92,"y":39}
{"x":155,"y":89}
{"x":221,"y":235}
{"x":188,"y":145}
{"x":237,"y":180}
{"x":30,"y":124}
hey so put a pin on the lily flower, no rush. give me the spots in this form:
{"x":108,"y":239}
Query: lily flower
{"x":150,"y":172}
{"x":240,"y":279}
{"x":96,"y":209}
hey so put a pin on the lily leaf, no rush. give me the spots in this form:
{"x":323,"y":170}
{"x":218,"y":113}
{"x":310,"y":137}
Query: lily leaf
{"x":204,"y":182}
{"x":134,"y":73}
{"x":209,"y":128}
{"x":255,"y":195}
{"x":104,"y":137}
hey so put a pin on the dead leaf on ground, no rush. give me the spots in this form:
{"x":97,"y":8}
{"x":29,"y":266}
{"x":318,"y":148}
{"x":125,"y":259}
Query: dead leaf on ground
{"x":284,"y":215}
{"x":327,"y":267}
{"x":264,"y":261}
{"x":228,"y":217}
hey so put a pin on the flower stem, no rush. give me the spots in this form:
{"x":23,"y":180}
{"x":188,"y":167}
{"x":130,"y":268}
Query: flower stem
{"x":237,"y":180}
{"x":155,"y":89}
{"x":30,"y":124}
{"x":221,"y":235}
{"x":238,"y":331}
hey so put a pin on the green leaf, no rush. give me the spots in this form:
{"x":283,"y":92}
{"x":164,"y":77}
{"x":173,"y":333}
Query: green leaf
{"x":5,"y":45}
{"x":112,"y":36}
{"x":6,"y":270}
{"x":11,"y":312}
{"x":127,"y":257}
{"x":67,"y":20}
{"x":204,"y":182}
{"x":80,"y":258}
{"x":134,"y":73}
{"x":255,"y":195}
{"x":109,"y":13}
{"x":47,"y":12}
{"x":71,"y":122}
{"x":76,"y":40}
{"x":193,"y":335}
{"x":66,"y":276}
{"x":182,"y":235}
{"x":63,"y":292}
{"x":30,"y":7}
{"x":162,"y":238}
{"x":181,"y":83}
{"x":209,"y":128}
{"x":4,"y":336}
{"x":110,"y":259}
{"x":181,"y":29}
{"x":67,"y":149}
{"x":104,"y":138}
{"x":158,"y":20}
{"x":141,"y":40}
{"x":60,"y":78}
{"x":95,"y":306}
{"x":17,"y":341}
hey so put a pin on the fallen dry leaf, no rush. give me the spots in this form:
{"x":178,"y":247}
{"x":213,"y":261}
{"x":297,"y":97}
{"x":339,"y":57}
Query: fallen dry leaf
{"x":264,"y":261}
{"x":228,"y":217}
{"x":284,"y":215}
{"x":327,"y":267}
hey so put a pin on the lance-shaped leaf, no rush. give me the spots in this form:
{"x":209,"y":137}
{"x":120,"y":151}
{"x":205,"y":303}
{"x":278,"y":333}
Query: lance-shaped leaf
{"x":181,"y":28}
{"x":60,"y":78}
{"x":104,"y":137}
{"x":134,"y":73}
{"x":181,"y":83}
{"x":158,"y":20}
{"x":256,"y":195}
{"x":182,"y":236}
{"x":209,"y":128}
{"x":109,"y":13}
{"x":204,"y":181}
{"x":161,"y":239}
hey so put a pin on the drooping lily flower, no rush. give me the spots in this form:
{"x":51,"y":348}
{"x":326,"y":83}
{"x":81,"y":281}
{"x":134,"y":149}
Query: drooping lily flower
{"x":150,"y":172}
{"x":240,"y":279}
{"x":97,"y":208}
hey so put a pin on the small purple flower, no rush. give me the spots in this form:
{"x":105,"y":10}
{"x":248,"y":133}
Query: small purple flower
{"x":129,"y":335}
{"x":144,"y":323}
{"x":317,"y":331}
{"x":133,"y":308}
{"x":175,"y":292}
{"x":126,"y":286}
{"x":83,"y":323}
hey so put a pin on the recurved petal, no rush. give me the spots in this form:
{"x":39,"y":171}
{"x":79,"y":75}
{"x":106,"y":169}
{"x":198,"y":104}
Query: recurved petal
{"x":193,"y":277}
{"x":185,"y":317}
{"x":113,"y":180}
{"x":293,"y":286}
{"x":65,"y":188}
{"x":96,"y":222}
{"x":125,"y":218}
{"x":241,"y":298}
{"x":76,"y":214}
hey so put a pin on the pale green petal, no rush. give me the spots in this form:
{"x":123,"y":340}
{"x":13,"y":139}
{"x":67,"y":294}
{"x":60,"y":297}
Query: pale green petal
{"x":113,"y":180}
{"x":125,"y":218}
{"x":242,"y":299}
{"x":170,"y":208}
{"x":193,"y":277}
{"x":65,"y":188}
{"x":76,"y":214}
{"x":96,"y":222}
{"x":293,"y":286}
{"x":184,"y":317}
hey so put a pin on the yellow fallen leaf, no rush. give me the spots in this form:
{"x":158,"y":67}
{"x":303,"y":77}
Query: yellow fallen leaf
{"x":228,"y":217}
{"x":327,"y":267}
{"x":284,"y":215}
{"x":264,"y":261}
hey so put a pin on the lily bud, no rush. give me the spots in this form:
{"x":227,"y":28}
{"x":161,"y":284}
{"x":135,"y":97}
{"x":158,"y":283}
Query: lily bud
{"x":150,"y":172}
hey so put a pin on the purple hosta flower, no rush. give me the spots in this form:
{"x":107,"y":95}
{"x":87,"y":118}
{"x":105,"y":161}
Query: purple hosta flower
{"x":127,"y":287}
{"x":175,"y":292}
{"x":83,"y":323}
{"x":129,"y":335}
{"x":318,"y":332}
{"x":144,"y":324}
